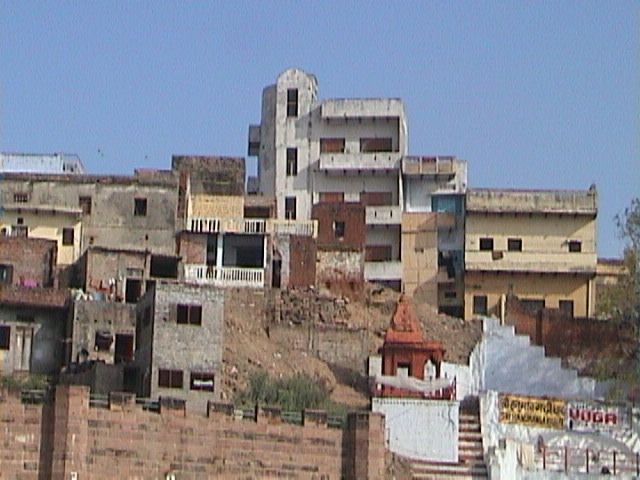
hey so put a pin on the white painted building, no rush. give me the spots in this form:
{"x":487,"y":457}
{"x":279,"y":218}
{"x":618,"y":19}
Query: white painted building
{"x":349,"y":150}
{"x":55,"y":163}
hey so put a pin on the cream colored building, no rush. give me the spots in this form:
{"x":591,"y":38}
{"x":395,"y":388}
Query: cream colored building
{"x":539,"y":245}
{"x":63,"y":225}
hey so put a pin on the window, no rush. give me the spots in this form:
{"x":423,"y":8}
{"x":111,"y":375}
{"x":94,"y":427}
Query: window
{"x":67,"y":236}
{"x":332,"y":145}
{"x":575,"y":246}
{"x":376,"y":199}
{"x":486,"y":244}
{"x":450,"y":295}
{"x":140,"y":207}
{"x":124,"y":348}
{"x":292,"y":102}
{"x":5,"y":337}
{"x":103,"y":341}
{"x":514,"y":244}
{"x":480,"y":304}
{"x":377,"y":253}
{"x":566,"y":306}
{"x":6,"y":273}
{"x":201,"y":381}
{"x":331,"y":197}
{"x":170,"y":378}
{"x":403,"y":370}
{"x":85,"y":205}
{"x":189,"y":314}
{"x":338,"y":229}
{"x":20,"y":230}
{"x":290,"y":208}
{"x":292,"y":162}
{"x":532,"y":305}
{"x":373,"y":145}
{"x":21,"y":197}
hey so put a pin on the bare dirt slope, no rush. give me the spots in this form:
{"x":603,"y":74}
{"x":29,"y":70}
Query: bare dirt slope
{"x":248,"y":347}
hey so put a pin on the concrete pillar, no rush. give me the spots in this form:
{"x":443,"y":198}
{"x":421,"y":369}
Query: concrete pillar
{"x":70,"y":432}
{"x":219,"y":254}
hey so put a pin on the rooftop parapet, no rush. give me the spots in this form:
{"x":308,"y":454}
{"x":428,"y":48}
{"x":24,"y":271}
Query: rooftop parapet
{"x":575,"y":202}
{"x":362,"y":108}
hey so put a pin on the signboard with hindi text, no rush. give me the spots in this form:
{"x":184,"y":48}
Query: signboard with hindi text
{"x":533,"y":411}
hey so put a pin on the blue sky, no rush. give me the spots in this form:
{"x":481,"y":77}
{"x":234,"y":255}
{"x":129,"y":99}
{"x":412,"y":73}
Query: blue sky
{"x":531,"y":94}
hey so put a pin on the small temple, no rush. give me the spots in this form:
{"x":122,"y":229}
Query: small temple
{"x":411,"y":364}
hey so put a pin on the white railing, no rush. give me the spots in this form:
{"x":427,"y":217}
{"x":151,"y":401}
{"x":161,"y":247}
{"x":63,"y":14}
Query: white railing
{"x":225,"y":276}
{"x":390,"y":270}
{"x":256,"y":226}
{"x":360,"y":161}
{"x":383,"y":215}
{"x":226,"y":225}
{"x":307,"y":228}
{"x":203,"y":225}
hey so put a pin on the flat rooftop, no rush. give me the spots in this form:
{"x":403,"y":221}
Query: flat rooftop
{"x":490,"y":200}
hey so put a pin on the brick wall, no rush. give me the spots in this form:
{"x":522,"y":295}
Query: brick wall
{"x":19,"y":437}
{"x":353,"y":216}
{"x":341,"y":271}
{"x":125,"y":441}
{"x":211,"y":174}
{"x":302,"y":258}
{"x":32,"y":259}
{"x":192,"y":247}
{"x":565,"y":336}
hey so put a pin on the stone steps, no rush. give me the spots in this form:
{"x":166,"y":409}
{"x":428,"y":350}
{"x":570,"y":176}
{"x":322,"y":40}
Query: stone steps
{"x":470,"y":454}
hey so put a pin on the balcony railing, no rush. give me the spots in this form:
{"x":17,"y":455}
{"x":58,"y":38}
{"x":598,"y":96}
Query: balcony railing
{"x":293,"y":227}
{"x":225,"y":276}
{"x":413,"y":165}
{"x":255,"y":226}
{"x":383,"y":215}
{"x":390,"y":270}
{"x":226,"y":225}
{"x":360,"y":161}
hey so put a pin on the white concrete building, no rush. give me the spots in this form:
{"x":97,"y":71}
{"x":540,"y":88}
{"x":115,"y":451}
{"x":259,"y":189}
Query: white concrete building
{"x":56,"y":163}
{"x":346,"y":150}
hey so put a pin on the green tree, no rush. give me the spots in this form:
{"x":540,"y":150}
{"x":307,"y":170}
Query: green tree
{"x":621,"y":302}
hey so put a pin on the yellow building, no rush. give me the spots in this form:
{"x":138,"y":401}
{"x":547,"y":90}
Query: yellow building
{"x":61,"y":224}
{"x":538,"y":245}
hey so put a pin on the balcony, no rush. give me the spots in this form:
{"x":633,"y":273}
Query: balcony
{"x":390,"y":270}
{"x":337,"y":162}
{"x":225,"y":276}
{"x":383,"y":215}
{"x":436,"y":166}
{"x":541,"y":262}
{"x":253,"y":226}
{"x":307,"y":228}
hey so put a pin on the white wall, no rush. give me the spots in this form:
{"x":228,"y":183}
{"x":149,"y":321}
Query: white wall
{"x":462,"y":374}
{"x":420,"y":429}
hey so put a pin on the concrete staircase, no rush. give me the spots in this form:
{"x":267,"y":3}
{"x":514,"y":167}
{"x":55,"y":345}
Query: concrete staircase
{"x":512,"y":364}
{"x":470,"y":464}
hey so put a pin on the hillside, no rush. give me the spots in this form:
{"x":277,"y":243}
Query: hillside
{"x":260,"y":339}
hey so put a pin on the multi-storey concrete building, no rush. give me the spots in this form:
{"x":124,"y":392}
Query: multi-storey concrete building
{"x":179,"y":342}
{"x":122,"y":212}
{"x":538,"y":245}
{"x":232,"y":240}
{"x":313,"y":151}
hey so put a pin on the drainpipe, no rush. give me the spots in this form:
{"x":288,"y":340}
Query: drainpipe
{"x":503,"y":307}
